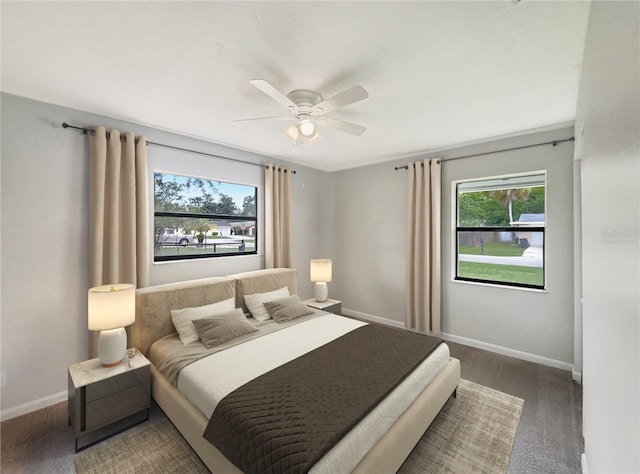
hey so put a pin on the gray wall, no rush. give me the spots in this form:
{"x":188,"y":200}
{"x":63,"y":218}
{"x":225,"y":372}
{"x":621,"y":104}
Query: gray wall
{"x":44,"y":274}
{"x":533,"y":322}
{"x":368,"y":246}
{"x":609,"y":110}
{"x":368,"y":217}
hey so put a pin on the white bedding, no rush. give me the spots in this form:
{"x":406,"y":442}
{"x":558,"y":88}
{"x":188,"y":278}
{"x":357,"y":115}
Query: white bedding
{"x":237,"y":365}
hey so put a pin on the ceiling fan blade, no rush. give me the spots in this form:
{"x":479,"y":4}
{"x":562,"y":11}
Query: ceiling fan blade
{"x":347,"y":127}
{"x":272,"y":92}
{"x":354,"y":94}
{"x":264,"y":118}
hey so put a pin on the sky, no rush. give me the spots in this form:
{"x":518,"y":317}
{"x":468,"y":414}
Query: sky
{"x":237,"y":192}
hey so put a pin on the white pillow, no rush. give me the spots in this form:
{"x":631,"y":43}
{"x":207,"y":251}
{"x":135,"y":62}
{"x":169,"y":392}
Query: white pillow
{"x":254,"y":302}
{"x":182,"y":318}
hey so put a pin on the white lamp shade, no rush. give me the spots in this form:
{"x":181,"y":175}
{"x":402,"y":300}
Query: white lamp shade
{"x":292,"y":134}
{"x":112,"y":306}
{"x":314,"y":139}
{"x":320,"y":270}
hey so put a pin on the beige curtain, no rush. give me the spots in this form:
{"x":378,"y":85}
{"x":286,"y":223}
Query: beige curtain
{"x":423,"y":247}
{"x":277,"y":203}
{"x":118,"y":211}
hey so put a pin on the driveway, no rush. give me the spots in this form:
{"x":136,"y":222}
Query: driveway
{"x":532,"y":257}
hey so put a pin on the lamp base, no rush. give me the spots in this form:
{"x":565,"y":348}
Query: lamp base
{"x":321,"y":291}
{"x":112,"y":345}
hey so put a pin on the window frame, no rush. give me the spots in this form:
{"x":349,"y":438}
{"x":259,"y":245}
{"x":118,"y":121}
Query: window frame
{"x":192,"y":215}
{"x":457,"y":229}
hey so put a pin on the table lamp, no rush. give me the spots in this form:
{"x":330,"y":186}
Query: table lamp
{"x":111,"y":307}
{"x":321,"y":274}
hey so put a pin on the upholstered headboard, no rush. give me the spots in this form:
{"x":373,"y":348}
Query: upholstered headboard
{"x":261,"y":281}
{"x":154,"y":305}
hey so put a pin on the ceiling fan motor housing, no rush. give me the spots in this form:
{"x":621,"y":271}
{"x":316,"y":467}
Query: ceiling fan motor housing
{"x":305,"y":97}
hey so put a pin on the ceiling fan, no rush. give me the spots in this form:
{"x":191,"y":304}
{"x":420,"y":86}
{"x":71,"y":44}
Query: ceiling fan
{"x":307,"y":109}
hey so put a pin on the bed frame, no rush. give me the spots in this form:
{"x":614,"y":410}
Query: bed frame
{"x":153,"y":320}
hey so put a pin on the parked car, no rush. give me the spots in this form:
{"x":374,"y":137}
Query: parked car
{"x":172,"y":237}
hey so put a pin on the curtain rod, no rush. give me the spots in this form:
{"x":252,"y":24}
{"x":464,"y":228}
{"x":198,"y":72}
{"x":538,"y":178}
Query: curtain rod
{"x":554,"y":143}
{"x":86,"y":131}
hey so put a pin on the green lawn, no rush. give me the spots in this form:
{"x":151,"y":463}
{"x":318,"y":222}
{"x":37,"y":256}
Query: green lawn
{"x":510,"y":273}
{"x":496,"y":249}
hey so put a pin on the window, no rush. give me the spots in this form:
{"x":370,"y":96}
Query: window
{"x":196,"y":218}
{"x":500,"y":230}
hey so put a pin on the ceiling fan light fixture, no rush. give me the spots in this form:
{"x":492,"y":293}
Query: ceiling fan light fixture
{"x":295,"y":135}
{"x":307,"y":128}
{"x":292,"y":134}
{"x":314,"y":139}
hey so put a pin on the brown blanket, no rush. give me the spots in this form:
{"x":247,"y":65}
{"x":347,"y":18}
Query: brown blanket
{"x":288,"y":418}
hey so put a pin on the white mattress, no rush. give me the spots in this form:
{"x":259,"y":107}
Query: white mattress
{"x":208,"y":380}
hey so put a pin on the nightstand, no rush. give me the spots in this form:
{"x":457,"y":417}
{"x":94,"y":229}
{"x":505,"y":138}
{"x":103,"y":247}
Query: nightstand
{"x":104,"y":401}
{"x":330,"y":306}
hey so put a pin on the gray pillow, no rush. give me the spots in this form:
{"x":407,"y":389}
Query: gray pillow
{"x":286,"y":309}
{"x":220,"y":328}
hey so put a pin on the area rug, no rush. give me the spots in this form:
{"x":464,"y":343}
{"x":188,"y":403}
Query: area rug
{"x":473,"y":433}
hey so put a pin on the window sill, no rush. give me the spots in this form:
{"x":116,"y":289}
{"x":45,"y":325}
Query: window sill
{"x":209,"y":258}
{"x":503,"y":287}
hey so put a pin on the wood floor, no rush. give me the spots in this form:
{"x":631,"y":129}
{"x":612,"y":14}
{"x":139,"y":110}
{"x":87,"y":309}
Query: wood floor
{"x":548,"y":441}
{"x":549,"y":438}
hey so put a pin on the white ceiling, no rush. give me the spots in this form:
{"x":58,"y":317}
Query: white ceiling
{"x":438,"y":73}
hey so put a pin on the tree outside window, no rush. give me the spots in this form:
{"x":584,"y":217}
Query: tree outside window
{"x":500,"y":230}
{"x":196,"y":218}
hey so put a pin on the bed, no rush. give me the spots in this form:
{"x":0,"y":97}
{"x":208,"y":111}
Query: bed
{"x":380,"y":442}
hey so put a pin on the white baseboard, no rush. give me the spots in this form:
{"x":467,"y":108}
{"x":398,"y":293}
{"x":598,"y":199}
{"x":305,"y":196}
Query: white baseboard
{"x":576,"y":375}
{"x":475,"y":343}
{"x":558,"y":364}
{"x":33,"y":406}
{"x":583,"y":461}
{"x":372,"y":318}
